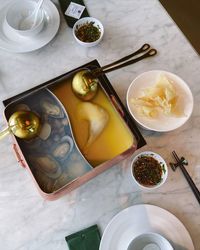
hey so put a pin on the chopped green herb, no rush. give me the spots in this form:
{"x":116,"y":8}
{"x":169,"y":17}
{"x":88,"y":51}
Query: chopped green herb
{"x":88,"y":32}
{"x":163,"y":168}
{"x":147,"y":171}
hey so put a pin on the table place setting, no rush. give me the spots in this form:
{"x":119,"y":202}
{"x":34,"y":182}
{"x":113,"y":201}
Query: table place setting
{"x":18,"y":39}
{"x":124,"y":228}
{"x":97,"y":157}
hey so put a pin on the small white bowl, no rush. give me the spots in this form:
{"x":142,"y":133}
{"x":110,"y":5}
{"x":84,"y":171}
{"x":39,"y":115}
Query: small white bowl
{"x":83,"y":21}
{"x":150,"y":241}
{"x":163,"y":166}
{"x":162,"y":123}
{"x":19,"y":10}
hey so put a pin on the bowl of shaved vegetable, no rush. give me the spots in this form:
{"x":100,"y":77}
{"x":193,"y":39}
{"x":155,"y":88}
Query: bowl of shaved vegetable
{"x":159,"y":100}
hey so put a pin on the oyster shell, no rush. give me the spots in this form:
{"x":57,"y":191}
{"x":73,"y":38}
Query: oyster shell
{"x":61,"y":181}
{"x":64,"y":148}
{"x":21,"y":106}
{"x":51,"y":109}
{"x":47,"y":165}
{"x":45,"y":183}
{"x":45,"y":131}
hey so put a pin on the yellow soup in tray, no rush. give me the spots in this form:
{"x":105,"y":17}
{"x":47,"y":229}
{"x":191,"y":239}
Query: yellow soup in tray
{"x":100,"y":132}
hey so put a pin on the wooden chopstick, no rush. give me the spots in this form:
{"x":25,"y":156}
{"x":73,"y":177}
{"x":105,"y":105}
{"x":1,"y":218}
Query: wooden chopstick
{"x":187,"y":176}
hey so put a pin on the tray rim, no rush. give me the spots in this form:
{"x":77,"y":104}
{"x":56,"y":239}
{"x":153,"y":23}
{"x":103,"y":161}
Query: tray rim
{"x":109,"y":91}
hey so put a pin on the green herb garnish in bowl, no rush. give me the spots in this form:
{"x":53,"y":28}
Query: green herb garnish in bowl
{"x":88,"y":31}
{"x":149,"y":170}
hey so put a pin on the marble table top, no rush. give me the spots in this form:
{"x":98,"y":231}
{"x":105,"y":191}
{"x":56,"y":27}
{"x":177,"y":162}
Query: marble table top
{"x":27,"y":221}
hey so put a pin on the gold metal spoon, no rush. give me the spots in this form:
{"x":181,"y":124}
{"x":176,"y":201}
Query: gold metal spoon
{"x":85,"y":82}
{"x":23,"y":124}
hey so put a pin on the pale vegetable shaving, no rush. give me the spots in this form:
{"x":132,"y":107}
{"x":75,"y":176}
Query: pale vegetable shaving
{"x":161,"y":97}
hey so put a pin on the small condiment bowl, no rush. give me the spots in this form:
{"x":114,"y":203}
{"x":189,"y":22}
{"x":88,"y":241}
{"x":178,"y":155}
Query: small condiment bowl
{"x":84,"y":21}
{"x":150,"y":241}
{"x":162,"y":164}
{"x":17,"y":11}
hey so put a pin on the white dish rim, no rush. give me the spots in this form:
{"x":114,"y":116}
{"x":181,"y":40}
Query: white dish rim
{"x":14,"y":45}
{"x":178,"y":235}
{"x":156,"y":72}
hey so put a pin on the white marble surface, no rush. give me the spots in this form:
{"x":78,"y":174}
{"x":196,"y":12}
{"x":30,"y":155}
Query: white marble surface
{"x":27,"y":222}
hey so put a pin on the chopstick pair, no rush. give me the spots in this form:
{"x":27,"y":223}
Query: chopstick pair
{"x":180,"y":162}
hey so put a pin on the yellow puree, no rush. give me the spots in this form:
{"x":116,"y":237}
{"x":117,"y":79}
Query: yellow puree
{"x":114,"y":139}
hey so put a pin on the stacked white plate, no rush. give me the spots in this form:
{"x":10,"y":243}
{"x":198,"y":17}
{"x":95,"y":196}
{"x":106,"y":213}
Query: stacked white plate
{"x":16,"y":43}
{"x":140,"y":219}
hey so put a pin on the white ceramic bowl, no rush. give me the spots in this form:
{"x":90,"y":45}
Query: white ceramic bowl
{"x":81,"y":22}
{"x":163,"y":166}
{"x":19,"y":10}
{"x":150,"y":241}
{"x":162,"y":123}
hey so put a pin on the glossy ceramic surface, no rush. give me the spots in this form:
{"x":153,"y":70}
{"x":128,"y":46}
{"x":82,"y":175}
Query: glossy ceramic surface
{"x":16,"y":15}
{"x":162,"y":123}
{"x":12,"y":42}
{"x":139,"y":219}
{"x":150,"y":241}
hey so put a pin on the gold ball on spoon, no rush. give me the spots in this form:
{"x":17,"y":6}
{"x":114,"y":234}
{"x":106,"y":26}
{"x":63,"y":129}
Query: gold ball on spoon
{"x":24,"y":124}
{"x":84,"y":85}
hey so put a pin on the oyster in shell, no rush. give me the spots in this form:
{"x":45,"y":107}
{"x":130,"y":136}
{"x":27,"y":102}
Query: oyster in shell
{"x":61,"y":181}
{"x":45,"y":131}
{"x":45,"y":183}
{"x":51,"y":109}
{"x":47,"y":165}
{"x":63,"y":149}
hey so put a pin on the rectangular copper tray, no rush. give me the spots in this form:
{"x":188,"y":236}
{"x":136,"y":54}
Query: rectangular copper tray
{"x":23,"y":150}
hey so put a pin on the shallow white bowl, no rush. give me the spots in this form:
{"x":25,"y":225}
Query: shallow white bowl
{"x":97,"y":24}
{"x":17,"y":12}
{"x":160,"y":160}
{"x":150,"y":241}
{"x":162,"y":123}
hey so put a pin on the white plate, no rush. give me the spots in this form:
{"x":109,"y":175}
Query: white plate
{"x":139,"y":219}
{"x":162,"y":123}
{"x":13,"y":42}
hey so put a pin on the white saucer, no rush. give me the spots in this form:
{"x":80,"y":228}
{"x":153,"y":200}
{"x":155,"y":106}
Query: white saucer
{"x":12,"y":42}
{"x":140,"y":219}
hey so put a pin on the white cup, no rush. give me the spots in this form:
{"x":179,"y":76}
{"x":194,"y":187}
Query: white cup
{"x":150,"y":241}
{"x":17,"y":11}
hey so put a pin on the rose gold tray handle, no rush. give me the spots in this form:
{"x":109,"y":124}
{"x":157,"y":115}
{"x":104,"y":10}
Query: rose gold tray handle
{"x":18,"y":156}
